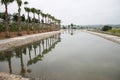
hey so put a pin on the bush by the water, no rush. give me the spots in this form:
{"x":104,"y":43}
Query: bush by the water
{"x":106,"y":28}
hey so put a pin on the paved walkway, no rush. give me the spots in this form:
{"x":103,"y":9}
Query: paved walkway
{"x":106,"y":36}
{"x":22,"y":40}
{"x":21,"y":37}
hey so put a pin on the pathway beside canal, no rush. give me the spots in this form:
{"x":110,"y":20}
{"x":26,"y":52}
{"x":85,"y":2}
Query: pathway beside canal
{"x":23,"y":40}
{"x":106,"y":36}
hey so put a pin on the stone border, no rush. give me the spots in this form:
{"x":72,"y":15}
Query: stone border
{"x":106,"y":36}
{"x":23,"y":40}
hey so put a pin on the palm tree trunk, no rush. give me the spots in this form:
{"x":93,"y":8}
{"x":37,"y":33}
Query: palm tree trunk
{"x":42,"y":24}
{"x":38,"y":23}
{"x":6,"y":22}
{"x":28,"y":30}
{"x":34,"y":23}
{"x":46,"y":24}
{"x":19,"y":25}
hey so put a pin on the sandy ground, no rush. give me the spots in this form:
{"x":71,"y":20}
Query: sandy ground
{"x":7,"y":76}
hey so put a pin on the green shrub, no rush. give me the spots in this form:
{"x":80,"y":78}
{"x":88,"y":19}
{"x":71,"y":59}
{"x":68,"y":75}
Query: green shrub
{"x":13,"y":27}
{"x":106,"y":28}
{"x":2,"y":27}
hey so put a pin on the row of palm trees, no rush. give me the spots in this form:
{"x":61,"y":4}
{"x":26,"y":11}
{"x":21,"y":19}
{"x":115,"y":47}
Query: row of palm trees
{"x":45,"y":18}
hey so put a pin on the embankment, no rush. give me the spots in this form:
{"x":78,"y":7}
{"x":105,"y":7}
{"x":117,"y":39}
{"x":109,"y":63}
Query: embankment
{"x":23,"y":40}
{"x":106,"y":36}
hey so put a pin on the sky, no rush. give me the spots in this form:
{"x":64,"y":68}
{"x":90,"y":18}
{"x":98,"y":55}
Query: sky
{"x":79,"y":12}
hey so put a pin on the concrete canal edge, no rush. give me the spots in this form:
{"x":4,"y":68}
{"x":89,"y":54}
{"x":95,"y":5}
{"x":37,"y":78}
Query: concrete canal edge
{"x":106,"y":36}
{"x":23,"y":40}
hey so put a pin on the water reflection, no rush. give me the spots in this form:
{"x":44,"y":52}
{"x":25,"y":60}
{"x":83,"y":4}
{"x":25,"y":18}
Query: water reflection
{"x":71,"y":31}
{"x":35,"y":52}
{"x":80,"y":56}
{"x":7,"y":57}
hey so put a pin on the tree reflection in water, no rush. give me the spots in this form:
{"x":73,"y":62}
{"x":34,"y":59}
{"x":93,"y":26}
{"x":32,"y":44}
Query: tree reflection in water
{"x":39,"y":49}
{"x":19,"y":54}
{"x":6,"y":56}
{"x":71,"y":31}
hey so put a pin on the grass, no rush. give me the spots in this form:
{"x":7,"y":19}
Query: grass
{"x":114,"y":31}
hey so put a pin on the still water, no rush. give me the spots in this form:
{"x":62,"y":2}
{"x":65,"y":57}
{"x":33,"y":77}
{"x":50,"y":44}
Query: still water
{"x":71,"y":55}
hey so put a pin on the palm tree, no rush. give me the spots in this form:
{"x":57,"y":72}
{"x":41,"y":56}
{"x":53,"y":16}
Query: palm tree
{"x":59,"y":21}
{"x":38,"y":13}
{"x":52,"y":21}
{"x":25,"y":2}
{"x":48,"y":16}
{"x":33,"y":10}
{"x":49,"y":20}
{"x":28,"y":28}
{"x":45,"y":19}
{"x":42,"y":14}
{"x":19,"y":3}
{"x":6,"y":2}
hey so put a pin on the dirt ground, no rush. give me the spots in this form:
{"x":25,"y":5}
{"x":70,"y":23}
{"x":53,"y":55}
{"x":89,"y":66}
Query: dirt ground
{"x":14,"y":34}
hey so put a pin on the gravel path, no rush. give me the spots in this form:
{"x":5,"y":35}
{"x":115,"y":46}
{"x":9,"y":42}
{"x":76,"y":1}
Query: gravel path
{"x":7,"y":76}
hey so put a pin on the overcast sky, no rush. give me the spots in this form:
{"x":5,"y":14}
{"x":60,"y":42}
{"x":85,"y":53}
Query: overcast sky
{"x":81,"y":12}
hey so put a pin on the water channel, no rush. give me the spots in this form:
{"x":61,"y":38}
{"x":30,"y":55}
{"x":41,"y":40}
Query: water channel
{"x":71,"y":55}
